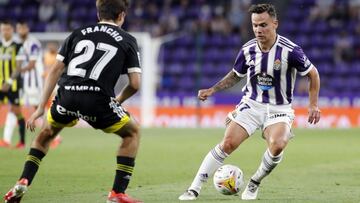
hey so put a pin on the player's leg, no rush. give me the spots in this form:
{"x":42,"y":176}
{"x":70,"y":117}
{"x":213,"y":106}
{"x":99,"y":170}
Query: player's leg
{"x":125,"y":160}
{"x":128,"y":130}
{"x":277,"y":136}
{"x":16,"y":109}
{"x":126,"y":155}
{"x":235,"y":134}
{"x":10,"y":124}
{"x":38,"y":150}
{"x":52,"y":125}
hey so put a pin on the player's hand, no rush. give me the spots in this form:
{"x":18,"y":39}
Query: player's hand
{"x":30,"y":124}
{"x":203,"y":94}
{"x":5,"y":87}
{"x":314,"y":115}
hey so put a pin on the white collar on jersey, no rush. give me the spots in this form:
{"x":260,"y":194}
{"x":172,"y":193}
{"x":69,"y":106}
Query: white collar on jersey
{"x":107,"y":22}
{"x":6,"y":43}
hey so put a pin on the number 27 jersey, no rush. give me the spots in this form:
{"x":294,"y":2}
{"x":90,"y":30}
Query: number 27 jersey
{"x":95,"y":56}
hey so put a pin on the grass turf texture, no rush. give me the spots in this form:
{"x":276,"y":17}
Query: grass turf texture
{"x":319,"y":166}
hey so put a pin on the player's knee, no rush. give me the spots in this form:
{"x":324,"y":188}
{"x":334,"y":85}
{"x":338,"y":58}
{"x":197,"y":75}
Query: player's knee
{"x":131,"y":131}
{"x":228,"y":146}
{"x":44,"y":137}
{"x":277,"y":146}
{"x":45,"y":132}
{"x":135,"y":132}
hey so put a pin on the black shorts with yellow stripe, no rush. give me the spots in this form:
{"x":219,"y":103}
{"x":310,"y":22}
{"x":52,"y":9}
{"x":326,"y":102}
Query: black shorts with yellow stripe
{"x":11,"y":97}
{"x":99,"y":110}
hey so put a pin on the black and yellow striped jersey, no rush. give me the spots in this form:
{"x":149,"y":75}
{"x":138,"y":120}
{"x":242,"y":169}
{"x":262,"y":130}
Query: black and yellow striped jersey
{"x":9,"y":55}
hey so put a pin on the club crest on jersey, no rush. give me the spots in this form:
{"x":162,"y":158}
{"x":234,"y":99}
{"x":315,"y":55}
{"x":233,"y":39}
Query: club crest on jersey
{"x":277,"y":64}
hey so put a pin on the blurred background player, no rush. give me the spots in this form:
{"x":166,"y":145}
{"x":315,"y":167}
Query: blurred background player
{"x":88,"y":66}
{"x":10,"y":84}
{"x":32,"y":70}
{"x":32,"y":67}
{"x":270,"y":62}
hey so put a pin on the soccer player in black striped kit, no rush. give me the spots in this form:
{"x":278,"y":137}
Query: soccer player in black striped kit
{"x":10,"y":83}
{"x":88,"y":66}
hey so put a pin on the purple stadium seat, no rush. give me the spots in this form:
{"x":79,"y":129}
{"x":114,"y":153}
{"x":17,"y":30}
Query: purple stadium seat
{"x":39,"y":27}
{"x":191,"y":69}
{"x":174,"y":68}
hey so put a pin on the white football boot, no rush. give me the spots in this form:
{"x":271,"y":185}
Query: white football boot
{"x":251,"y":191}
{"x":189,"y":195}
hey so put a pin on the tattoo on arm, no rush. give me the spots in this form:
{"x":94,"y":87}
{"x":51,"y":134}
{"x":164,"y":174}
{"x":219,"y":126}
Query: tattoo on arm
{"x":228,"y":81}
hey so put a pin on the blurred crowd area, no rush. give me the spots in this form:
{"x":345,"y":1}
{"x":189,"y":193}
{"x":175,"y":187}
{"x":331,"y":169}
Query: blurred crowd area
{"x":158,"y":17}
{"x":211,"y":32}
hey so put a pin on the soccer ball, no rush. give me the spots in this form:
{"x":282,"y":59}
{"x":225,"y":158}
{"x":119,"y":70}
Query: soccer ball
{"x":228,"y":180}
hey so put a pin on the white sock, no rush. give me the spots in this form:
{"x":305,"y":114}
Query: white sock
{"x":268,"y":163}
{"x":10,"y":124}
{"x":212,"y":161}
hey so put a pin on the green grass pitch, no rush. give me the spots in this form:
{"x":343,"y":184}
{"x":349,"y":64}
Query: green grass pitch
{"x":319,"y":166}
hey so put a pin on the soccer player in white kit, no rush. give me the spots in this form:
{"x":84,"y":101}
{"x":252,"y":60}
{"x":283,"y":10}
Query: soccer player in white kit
{"x":270,"y":63}
{"x":32,"y":67}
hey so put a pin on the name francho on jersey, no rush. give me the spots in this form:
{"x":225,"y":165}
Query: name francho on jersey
{"x":271,"y":75}
{"x":95,"y":56}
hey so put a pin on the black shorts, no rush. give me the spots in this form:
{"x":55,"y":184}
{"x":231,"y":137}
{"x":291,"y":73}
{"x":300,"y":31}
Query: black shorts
{"x":97,"y":109}
{"x":12,"y":97}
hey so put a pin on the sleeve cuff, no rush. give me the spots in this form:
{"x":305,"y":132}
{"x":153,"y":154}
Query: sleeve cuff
{"x":60,"y":57}
{"x":134,"y":70}
{"x":34,"y":57}
{"x":238,"y":74}
{"x":20,"y":58}
{"x":306,"y":71}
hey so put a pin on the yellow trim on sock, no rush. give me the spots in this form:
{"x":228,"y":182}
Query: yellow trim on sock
{"x":33,"y":159}
{"x":122,"y":167}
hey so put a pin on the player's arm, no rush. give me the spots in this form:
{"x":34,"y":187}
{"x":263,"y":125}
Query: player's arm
{"x":34,"y":54}
{"x":306,"y":68}
{"x":314,"y":88}
{"x":29,"y":67}
{"x":228,"y":81}
{"x":234,"y":76}
{"x":14,"y":75}
{"x":132,"y":87}
{"x":55,"y":72}
{"x":20,"y":69}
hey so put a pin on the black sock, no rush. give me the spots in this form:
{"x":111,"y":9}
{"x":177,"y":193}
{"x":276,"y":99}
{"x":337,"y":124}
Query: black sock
{"x":32,"y":164}
{"x":21,"y":123}
{"x":124,"y":169}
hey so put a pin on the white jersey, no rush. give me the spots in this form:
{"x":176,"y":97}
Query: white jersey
{"x":31,"y":50}
{"x":271,"y":75}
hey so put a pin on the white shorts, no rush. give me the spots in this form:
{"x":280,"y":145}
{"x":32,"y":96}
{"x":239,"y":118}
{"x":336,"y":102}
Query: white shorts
{"x":31,"y":96}
{"x":253,"y":115}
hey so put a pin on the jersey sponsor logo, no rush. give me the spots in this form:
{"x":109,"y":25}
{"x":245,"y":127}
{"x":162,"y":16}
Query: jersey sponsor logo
{"x":80,"y":88}
{"x":63,"y":111}
{"x":264,"y":81}
{"x":277,"y":64}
